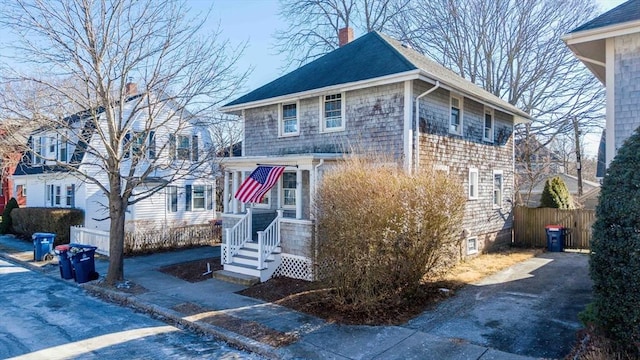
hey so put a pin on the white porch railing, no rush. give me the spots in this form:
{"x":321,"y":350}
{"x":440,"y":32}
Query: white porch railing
{"x":268,"y":240}
{"x":98,"y":238}
{"x":236,"y":237}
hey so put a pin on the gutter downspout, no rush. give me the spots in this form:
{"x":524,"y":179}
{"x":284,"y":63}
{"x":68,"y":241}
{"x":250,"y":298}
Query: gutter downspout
{"x":416,"y":156}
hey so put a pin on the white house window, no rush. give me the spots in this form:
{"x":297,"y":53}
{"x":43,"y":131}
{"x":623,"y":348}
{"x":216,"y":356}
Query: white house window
{"x":473,"y":184}
{"x":487,"y":134}
{"x":289,"y":119}
{"x":497,"y":188}
{"x":333,"y":112}
{"x":172,"y":198}
{"x":198,"y":197}
{"x":472,"y":246}
{"x":184,"y":147}
{"x":38,"y":144}
{"x":455,"y":122}
{"x":71,"y":195}
{"x":50,"y":194}
{"x":52,"y":145}
{"x":289,"y":189}
{"x":64,"y":150}
{"x":58,"y":195}
{"x":181,"y":147}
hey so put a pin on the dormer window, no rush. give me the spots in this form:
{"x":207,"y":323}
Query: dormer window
{"x":183,"y":147}
{"x":38,"y":146}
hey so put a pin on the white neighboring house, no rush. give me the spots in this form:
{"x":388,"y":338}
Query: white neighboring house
{"x":172,"y":148}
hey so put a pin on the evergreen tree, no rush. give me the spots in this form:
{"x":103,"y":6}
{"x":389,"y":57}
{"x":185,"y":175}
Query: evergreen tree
{"x":556,"y":195}
{"x":615,"y":249}
{"x":6,"y":226}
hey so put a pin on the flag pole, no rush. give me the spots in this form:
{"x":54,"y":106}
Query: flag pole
{"x":295,"y":166}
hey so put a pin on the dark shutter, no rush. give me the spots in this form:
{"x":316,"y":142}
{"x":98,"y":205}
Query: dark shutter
{"x":187,"y":204}
{"x":209,"y":197}
{"x":194,"y":148}
{"x":126,"y":145}
{"x":152,"y":144}
{"x":172,"y":146}
{"x":73,"y":195}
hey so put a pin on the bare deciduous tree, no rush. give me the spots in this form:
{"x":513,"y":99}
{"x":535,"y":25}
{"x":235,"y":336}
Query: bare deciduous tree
{"x":314,"y":24}
{"x":82,"y":54}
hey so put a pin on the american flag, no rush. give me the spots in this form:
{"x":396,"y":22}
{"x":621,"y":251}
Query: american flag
{"x":258,"y":183}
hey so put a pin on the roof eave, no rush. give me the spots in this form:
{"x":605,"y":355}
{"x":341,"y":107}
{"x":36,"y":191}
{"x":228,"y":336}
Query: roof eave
{"x":382,"y":80}
{"x":519,"y":116}
{"x":603,"y":32}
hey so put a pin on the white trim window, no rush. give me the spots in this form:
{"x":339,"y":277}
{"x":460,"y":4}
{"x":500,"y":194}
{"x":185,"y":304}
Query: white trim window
{"x":71,"y":195}
{"x":266,"y":201}
{"x":172,"y":198}
{"x":498,"y":188}
{"x":288,"y":115}
{"x":38,"y":145}
{"x":199,"y":197}
{"x":472,"y":245}
{"x":487,"y":131}
{"x":455,"y":119}
{"x":288,"y":190}
{"x":57,"y":196}
{"x":52,"y":146}
{"x":332,"y":112}
{"x":473,"y":184}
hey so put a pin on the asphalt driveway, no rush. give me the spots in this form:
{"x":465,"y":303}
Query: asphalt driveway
{"x":529,"y":309}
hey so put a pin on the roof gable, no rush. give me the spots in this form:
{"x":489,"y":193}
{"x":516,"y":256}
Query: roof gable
{"x":628,"y":11}
{"x":367,"y":57}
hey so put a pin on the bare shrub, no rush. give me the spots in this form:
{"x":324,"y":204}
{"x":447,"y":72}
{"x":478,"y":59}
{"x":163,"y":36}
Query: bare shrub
{"x":381,"y":231}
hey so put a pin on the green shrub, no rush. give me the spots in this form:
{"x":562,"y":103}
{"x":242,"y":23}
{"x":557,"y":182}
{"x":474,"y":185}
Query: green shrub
{"x":30,"y":220}
{"x":6,"y":226}
{"x":556,"y":195}
{"x":615,"y":249}
{"x":380,"y":231}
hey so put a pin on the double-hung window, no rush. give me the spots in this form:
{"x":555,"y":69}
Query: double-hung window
{"x":289,"y":189}
{"x":455,"y":121}
{"x":199,"y":197}
{"x":473,"y":184}
{"x":332,"y":112}
{"x":38,"y":145}
{"x":58,"y":195}
{"x":184,"y":147}
{"x":487,"y":134}
{"x":71,"y":195}
{"x":52,"y":146}
{"x":63,"y":150}
{"x":472,"y":246}
{"x":172,"y":198}
{"x":497,"y":188}
{"x":289,"y":119}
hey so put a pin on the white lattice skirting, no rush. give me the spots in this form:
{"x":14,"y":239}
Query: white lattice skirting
{"x":297,"y":267}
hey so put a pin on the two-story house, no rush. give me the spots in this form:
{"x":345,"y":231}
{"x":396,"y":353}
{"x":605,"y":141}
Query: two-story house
{"x":64,"y":165}
{"x":609,"y":46}
{"x":371,"y":94}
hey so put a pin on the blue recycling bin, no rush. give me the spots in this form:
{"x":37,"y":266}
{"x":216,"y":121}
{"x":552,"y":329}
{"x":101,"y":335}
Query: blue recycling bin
{"x":555,"y":237}
{"x":83,"y":261}
{"x":42,"y":246}
{"x":64,"y":262}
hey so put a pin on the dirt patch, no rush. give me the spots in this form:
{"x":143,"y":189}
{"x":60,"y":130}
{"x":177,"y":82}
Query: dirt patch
{"x":250,"y":329}
{"x":193,"y":271}
{"x":314,"y":299}
{"x":123,"y":287}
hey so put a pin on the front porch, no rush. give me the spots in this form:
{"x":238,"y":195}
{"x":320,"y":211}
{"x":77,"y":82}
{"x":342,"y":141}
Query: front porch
{"x":274,"y":237}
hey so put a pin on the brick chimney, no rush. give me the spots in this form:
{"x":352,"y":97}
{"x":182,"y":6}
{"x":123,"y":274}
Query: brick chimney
{"x":345,"y":36}
{"x":131,"y":88}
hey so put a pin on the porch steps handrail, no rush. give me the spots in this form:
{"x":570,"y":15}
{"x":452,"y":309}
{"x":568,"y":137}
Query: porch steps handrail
{"x":268,"y":240}
{"x":237,"y":236}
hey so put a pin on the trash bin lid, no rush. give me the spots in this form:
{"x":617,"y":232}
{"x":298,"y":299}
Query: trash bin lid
{"x":554,"y":227}
{"x":64,"y":247}
{"x":42,"y":235}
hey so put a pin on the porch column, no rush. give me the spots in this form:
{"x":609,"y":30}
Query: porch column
{"x":298,"y":194}
{"x":236,"y":184}
{"x":243,"y":206}
{"x":225,"y":196}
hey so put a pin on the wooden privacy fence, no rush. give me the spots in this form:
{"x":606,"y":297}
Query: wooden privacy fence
{"x":529,"y":226}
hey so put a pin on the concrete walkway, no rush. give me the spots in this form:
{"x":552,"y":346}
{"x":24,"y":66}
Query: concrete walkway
{"x":193,"y":305}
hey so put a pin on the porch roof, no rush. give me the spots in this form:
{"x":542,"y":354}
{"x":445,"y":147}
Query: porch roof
{"x":245,"y":163}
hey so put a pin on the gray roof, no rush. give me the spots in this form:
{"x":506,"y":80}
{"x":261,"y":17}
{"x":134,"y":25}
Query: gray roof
{"x":371,"y":56}
{"x":628,"y":11}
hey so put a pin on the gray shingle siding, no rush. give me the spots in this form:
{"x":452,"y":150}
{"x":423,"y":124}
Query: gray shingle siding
{"x":373,"y":121}
{"x":459,"y":153}
{"x":627,"y":87}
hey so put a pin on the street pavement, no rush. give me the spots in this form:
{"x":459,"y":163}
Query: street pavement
{"x":46,"y":318}
{"x":469,"y":325}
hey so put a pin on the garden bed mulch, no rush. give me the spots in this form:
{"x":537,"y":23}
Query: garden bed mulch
{"x":193,"y":271}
